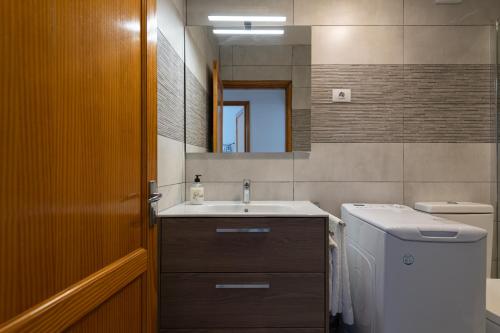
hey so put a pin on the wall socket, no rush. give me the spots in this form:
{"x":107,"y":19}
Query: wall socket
{"x":341,"y":95}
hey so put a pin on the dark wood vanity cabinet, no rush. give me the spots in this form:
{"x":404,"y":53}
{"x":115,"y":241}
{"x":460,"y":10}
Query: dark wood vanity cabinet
{"x":244,"y":274}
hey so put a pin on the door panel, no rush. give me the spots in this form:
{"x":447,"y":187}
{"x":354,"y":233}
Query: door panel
{"x":109,"y":316}
{"x":72,"y":149}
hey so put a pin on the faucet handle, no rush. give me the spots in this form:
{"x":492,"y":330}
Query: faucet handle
{"x":246,"y":182}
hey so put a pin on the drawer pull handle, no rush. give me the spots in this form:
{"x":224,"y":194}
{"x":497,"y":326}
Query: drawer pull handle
{"x":243,"y":230}
{"x":243,"y":286}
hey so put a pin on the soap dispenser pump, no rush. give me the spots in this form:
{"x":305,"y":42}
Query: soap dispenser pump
{"x":197,"y":191}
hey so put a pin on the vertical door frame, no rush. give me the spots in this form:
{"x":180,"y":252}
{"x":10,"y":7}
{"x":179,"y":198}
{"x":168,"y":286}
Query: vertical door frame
{"x":218,"y":106}
{"x":149,"y":161}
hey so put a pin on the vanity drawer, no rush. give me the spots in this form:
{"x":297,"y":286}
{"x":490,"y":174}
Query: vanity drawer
{"x":247,"y":300}
{"x":243,"y":245}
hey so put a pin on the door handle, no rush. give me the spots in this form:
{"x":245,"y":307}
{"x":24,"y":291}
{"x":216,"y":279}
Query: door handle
{"x":153,"y":197}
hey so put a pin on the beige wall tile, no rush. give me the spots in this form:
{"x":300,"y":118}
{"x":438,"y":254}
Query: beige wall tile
{"x":475,"y":192}
{"x":349,"y":12}
{"x":357,"y":45}
{"x":447,"y":45}
{"x":232,"y":191}
{"x":301,"y":98}
{"x":198,"y":10}
{"x":351,"y":162}
{"x":331,"y":195}
{"x":226,"y":72}
{"x":226,"y":55}
{"x":262,"y":73}
{"x":171,"y":16}
{"x":301,"y":76}
{"x":172,"y":195}
{"x":447,"y":162}
{"x":195,"y":149}
{"x":236,"y":167}
{"x":277,"y":55}
{"x":473,"y":12}
{"x":170,"y":161}
{"x":301,"y":55}
{"x":200,"y":53}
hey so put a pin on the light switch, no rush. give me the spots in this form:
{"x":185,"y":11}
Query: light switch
{"x":341,"y":95}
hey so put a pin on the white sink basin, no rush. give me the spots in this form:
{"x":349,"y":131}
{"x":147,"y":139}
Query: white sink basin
{"x":236,"y":208}
{"x":247,"y":208}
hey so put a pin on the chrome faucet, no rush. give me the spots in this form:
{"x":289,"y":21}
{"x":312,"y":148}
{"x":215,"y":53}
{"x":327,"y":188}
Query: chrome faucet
{"x":246,"y":191}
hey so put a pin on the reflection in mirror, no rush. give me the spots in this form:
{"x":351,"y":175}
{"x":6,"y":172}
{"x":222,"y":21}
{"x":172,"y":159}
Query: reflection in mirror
{"x":247,"y":92}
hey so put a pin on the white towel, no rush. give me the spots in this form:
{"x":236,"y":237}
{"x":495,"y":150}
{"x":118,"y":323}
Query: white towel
{"x":340,"y":288}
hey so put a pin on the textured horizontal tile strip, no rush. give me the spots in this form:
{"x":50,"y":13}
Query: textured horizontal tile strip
{"x":375,"y":113}
{"x":448,"y":103}
{"x":357,"y":123}
{"x":456,"y":123}
{"x":369,"y":83}
{"x":170,"y":91}
{"x":301,"y":130}
{"x":396,"y":103}
{"x":447,"y":84}
{"x":198,"y":131}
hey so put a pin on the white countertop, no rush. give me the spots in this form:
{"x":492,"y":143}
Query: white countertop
{"x":237,"y":208}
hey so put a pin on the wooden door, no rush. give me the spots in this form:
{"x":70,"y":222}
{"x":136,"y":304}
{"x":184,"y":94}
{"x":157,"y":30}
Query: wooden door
{"x":77,"y":146}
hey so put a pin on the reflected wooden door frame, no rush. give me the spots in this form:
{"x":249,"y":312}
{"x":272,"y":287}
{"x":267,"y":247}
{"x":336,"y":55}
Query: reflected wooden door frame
{"x":246,"y":108}
{"x":271,"y":84}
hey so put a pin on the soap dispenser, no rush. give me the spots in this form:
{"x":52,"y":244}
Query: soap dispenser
{"x":197,"y":191}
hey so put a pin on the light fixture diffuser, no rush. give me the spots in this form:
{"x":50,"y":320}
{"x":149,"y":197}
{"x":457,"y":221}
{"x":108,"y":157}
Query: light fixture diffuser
{"x":249,"y":32}
{"x":228,"y":18}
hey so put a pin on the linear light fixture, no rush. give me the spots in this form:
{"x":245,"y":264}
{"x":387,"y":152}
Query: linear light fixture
{"x":225,"y":18}
{"x":249,"y":32}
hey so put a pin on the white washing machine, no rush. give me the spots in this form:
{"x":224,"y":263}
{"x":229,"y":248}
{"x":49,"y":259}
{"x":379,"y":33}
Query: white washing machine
{"x":412,"y":272}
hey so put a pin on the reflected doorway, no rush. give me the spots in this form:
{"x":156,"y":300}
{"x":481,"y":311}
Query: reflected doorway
{"x":265,"y":126}
{"x":236,"y":127}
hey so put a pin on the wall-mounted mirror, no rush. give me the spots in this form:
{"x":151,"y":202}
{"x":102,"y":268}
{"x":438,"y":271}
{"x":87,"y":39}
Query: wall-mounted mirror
{"x":248,"y":85}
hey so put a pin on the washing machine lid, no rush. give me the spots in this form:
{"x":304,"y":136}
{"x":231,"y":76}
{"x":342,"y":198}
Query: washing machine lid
{"x":493,"y":300}
{"x":452,"y":207}
{"x":408,"y":224}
